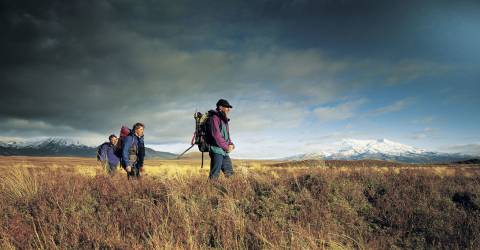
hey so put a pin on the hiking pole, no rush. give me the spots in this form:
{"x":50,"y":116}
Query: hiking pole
{"x":180,"y":155}
{"x":193,"y":144}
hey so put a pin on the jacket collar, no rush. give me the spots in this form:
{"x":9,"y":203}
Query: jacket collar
{"x":221,"y":115}
{"x":134,"y":135}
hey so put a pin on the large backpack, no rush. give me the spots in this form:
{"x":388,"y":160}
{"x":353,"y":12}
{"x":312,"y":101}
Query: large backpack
{"x":201,"y":134}
{"x":124,"y":132}
{"x":202,"y":131}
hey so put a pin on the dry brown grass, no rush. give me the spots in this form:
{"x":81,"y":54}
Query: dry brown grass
{"x":19,"y":185}
{"x":266,"y":205}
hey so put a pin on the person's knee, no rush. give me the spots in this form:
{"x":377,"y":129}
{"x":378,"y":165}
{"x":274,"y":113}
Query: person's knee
{"x":228,"y":168}
{"x":216,"y":167}
{"x":216,"y":161}
{"x":229,"y":171}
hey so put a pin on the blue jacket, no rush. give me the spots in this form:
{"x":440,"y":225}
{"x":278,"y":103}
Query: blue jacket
{"x":107,"y":152}
{"x":133,"y":151}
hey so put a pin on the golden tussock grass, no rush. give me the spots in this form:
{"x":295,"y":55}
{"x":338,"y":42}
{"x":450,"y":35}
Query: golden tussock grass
{"x":18,"y":185}
{"x":70,"y":203}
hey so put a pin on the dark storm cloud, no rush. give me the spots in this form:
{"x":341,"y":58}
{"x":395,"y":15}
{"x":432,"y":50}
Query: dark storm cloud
{"x":92,"y":65}
{"x":74,"y":63}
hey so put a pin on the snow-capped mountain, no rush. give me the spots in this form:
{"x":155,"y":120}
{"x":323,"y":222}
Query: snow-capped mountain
{"x":381,"y":149}
{"x":61,"y":147}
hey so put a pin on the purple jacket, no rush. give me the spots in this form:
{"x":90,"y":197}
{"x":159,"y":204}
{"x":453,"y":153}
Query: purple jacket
{"x":218,"y":119}
{"x":107,"y":153}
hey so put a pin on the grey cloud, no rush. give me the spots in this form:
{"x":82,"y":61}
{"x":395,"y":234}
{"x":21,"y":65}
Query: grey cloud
{"x":407,"y":71}
{"x":471,"y":149}
{"x":425,"y":120}
{"x":29,"y":129}
{"x":341,"y":111}
{"x":87,"y":67}
{"x":394,"y":107}
{"x":267,"y":115}
{"x":426,"y":133}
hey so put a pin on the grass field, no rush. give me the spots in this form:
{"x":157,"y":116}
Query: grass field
{"x":50,"y":203}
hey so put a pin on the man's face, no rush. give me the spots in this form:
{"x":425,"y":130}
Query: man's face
{"x":114,"y":140}
{"x":224,"y":109}
{"x":139,"y":131}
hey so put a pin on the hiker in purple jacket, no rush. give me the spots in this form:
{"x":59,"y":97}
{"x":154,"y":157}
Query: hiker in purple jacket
{"x":106,"y":154}
{"x":219,"y":139}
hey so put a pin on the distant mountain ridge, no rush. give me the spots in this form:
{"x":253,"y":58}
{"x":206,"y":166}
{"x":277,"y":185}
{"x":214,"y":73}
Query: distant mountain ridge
{"x":381,"y":149}
{"x":63,"y":147}
{"x":469,"y":161}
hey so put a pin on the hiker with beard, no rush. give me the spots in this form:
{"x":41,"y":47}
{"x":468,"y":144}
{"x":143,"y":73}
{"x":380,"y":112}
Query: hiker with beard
{"x":219,"y":140}
{"x":106,"y":154}
{"x":133,"y":151}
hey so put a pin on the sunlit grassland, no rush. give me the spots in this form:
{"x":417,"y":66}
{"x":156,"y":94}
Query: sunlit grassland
{"x":71,"y":203}
{"x":192,"y":167}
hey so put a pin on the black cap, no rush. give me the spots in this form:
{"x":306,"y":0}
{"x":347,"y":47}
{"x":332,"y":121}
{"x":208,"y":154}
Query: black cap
{"x":224,"y":103}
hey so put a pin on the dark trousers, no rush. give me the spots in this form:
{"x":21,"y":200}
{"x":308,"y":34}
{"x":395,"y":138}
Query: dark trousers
{"x":134,"y":173}
{"x":109,"y":167}
{"x":220,"y":162}
{"x":112,"y":168}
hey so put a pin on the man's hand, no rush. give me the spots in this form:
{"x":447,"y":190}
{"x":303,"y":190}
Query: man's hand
{"x":142,"y":170}
{"x":231,"y":147}
{"x":128,"y":169}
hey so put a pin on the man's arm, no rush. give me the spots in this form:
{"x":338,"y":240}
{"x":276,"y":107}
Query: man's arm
{"x":230,"y":142}
{"x":127,"y":144}
{"x":103,"y":152}
{"x":141,"y":152}
{"x":216,"y":133}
